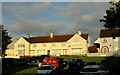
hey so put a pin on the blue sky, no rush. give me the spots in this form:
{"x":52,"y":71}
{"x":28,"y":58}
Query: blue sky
{"x":37,"y":18}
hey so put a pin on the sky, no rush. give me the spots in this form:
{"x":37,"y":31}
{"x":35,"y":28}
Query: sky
{"x":38,"y":18}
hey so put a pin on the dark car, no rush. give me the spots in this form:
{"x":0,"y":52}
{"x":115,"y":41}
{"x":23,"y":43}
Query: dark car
{"x":78,"y":64}
{"x":62,"y":62}
{"x":8,"y":62}
{"x":91,"y":63}
{"x":70,"y":63}
{"x":20,"y":62}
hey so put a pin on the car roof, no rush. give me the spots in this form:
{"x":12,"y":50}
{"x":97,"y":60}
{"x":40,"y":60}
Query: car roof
{"x":92,"y":66}
{"x":47,"y":65}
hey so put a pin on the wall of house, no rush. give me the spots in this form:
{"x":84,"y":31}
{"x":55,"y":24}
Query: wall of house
{"x":112,"y":44}
{"x":11,"y":45}
{"x":64,"y":50}
{"x":56,"y":48}
{"x":9,"y":52}
{"x":49,"y":46}
{"x":83,"y":46}
{"x":106,"y":42}
{"x":26,"y":47}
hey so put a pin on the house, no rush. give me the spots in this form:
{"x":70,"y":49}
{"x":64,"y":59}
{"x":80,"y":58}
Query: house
{"x":53,"y":45}
{"x":109,"y":41}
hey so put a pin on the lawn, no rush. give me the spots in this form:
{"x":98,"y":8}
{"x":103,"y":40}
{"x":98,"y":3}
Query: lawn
{"x":30,"y":71}
{"x":21,"y":69}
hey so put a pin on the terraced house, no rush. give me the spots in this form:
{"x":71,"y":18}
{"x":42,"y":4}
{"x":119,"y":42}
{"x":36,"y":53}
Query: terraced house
{"x":53,"y":45}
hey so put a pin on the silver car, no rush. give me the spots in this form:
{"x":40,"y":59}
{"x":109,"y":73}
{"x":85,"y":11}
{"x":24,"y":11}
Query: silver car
{"x":46,"y":70}
{"x":94,"y":70}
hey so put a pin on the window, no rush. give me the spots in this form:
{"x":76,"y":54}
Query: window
{"x":21,"y":45}
{"x":21,"y":52}
{"x":116,"y":48}
{"x":41,"y":52}
{"x":53,"y":44}
{"x":105,"y":40}
{"x":18,"y":45}
{"x":34,"y":45}
{"x":43,"y":44}
{"x":76,"y":43}
{"x":116,"y":39}
{"x":76,"y":51}
{"x":56,"y":51}
{"x":63,"y":44}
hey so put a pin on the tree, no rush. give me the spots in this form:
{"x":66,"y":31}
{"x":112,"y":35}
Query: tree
{"x":112,"y":17}
{"x":6,"y":39}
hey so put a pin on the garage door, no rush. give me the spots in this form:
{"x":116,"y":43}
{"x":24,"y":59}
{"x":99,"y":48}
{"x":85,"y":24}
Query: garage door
{"x":76,"y":51}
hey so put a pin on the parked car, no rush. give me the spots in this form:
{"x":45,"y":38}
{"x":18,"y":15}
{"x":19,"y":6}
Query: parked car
{"x":8,"y":62}
{"x":78,"y":64}
{"x":20,"y":61}
{"x":62,"y":62}
{"x":91,"y":63}
{"x":70,"y":63}
{"x":94,"y":70}
{"x":46,"y":70}
{"x":51,"y":61}
{"x":33,"y":63}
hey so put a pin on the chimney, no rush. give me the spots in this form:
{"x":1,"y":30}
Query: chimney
{"x":28,"y":36}
{"x":79,"y":32}
{"x":51,"y":34}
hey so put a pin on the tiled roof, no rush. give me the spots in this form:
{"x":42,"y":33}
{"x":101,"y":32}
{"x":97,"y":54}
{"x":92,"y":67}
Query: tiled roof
{"x":109,"y":33}
{"x":56,"y":38}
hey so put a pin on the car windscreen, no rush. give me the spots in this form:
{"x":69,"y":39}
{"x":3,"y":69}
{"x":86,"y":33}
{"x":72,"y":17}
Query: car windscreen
{"x":45,"y":68}
{"x":90,"y":69}
{"x":91,"y":63}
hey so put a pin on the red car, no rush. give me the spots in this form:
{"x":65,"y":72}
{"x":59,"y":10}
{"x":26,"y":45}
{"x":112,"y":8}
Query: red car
{"x":51,"y":61}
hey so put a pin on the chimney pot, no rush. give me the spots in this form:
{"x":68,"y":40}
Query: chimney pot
{"x":79,"y":32}
{"x":28,"y":36}
{"x":51,"y":34}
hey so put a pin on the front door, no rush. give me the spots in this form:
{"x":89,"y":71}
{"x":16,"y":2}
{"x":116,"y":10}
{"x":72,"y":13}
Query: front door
{"x":32,"y":53}
{"x":48,"y":52}
{"x":65,"y":52}
{"x":104,"y":50}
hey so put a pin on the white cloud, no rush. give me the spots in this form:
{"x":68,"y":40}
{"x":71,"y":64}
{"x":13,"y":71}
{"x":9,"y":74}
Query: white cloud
{"x":26,"y":10}
{"x":67,"y":19}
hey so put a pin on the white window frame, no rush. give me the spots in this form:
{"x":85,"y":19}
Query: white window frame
{"x":76,"y":53}
{"x":56,"y":51}
{"x":77,"y":43}
{"x":63,"y":44}
{"x":34,"y":45}
{"x":43,"y":45}
{"x":53,"y":44}
{"x":40,"y":52}
{"x":21,"y":52}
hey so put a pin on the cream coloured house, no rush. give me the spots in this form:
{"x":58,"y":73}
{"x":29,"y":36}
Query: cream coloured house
{"x":53,"y":45}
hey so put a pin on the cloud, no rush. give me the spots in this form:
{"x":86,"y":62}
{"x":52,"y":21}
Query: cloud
{"x":25,"y":10}
{"x":38,"y":18}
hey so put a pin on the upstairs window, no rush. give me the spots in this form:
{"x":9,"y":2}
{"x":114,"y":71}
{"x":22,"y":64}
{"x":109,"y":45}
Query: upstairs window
{"x":63,"y":44}
{"x":53,"y":44}
{"x":34,"y":45}
{"x":21,"y":45}
{"x":43,"y":44}
{"x":104,"y":40}
{"x":116,"y":39}
{"x":76,"y":43}
{"x":18,"y":45}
